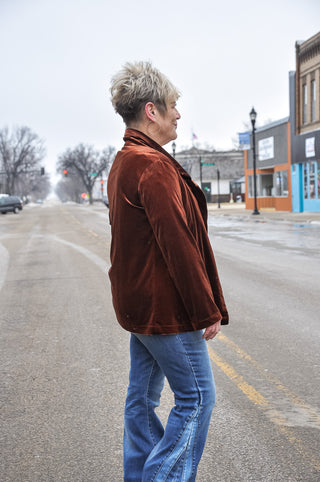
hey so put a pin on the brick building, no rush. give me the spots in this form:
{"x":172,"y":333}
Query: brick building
{"x":307,"y":85}
{"x":305,"y":126}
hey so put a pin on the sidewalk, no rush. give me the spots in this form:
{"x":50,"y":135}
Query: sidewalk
{"x":239,"y":210}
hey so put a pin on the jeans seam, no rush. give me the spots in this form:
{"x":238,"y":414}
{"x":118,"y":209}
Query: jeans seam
{"x":199,"y":406}
{"x":196,"y":411}
{"x":147,"y":405}
{"x":194,"y":375}
{"x":173,"y":447}
{"x":195,"y":418}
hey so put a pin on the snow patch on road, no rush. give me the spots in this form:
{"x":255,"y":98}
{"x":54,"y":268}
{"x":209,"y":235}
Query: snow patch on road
{"x":4,"y":264}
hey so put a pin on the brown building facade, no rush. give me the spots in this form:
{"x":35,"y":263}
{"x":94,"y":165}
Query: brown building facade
{"x":305,"y":126}
{"x":308,"y":85}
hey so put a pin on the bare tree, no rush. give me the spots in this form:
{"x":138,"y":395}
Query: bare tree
{"x":70,"y":188}
{"x":32,"y":185}
{"x":40,"y":187}
{"x":20,"y":152}
{"x":87,"y":163}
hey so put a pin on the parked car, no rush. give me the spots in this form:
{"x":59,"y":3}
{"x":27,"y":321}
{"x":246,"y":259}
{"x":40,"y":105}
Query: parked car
{"x":10,"y":204}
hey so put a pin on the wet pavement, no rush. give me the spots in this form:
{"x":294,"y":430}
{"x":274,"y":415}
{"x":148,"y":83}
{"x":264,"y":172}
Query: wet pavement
{"x":238,"y":210}
{"x":295,"y":232}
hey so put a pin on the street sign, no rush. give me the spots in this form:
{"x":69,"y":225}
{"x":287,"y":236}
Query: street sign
{"x":93,"y":174}
{"x":207,"y":163}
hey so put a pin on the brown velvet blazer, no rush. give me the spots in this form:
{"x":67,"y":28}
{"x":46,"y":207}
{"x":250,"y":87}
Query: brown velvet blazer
{"x":163,"y":274}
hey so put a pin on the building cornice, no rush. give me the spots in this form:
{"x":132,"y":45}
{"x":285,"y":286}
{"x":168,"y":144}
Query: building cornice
{"x":308,"y":49}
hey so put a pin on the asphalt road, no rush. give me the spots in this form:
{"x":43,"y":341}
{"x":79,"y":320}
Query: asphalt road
{"x":64,"y":359}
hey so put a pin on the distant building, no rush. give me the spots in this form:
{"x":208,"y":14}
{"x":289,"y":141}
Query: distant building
{"x":288,"y":150}
{"x":204,"y":166}
{"x":273,"y":167}
{"x":304,"y":85}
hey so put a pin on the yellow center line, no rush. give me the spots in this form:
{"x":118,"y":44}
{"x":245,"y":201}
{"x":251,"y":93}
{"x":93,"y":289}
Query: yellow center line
{"x":262,"y":403}
{"x":245,"y":387}
{"x":242,"y":354}
{"x":311,"y":412}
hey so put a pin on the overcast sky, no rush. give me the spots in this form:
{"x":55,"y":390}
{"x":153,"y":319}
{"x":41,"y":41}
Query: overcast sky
{"x":58,"y":56}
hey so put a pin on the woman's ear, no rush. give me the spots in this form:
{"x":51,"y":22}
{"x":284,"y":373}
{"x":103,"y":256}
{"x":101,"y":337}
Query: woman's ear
{"x":150,"y":111}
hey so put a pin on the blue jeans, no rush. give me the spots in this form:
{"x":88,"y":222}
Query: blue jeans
{"x":152,"y":453}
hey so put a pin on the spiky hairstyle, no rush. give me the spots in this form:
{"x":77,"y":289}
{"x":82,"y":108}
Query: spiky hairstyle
{"x":136,"y":84}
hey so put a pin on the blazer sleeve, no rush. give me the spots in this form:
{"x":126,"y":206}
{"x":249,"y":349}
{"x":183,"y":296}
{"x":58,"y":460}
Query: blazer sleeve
{"x":161,"y":196}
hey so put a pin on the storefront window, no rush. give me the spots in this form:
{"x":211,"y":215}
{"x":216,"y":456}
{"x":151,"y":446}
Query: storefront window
{"x":269,"y":185}
{"x":264,"y":185}
{"x":312,"y":191}
{"x":305,"y":180}
{"x":250,"y":186}
{"x":311,"y":180}
{"x":281,"y":183}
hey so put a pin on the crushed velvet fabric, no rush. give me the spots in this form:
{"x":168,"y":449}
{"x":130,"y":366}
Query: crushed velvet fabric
{"x":163,"y":274}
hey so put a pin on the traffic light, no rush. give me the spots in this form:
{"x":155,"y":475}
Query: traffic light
{"x":65,"y":172}
{"x":42,"y":171}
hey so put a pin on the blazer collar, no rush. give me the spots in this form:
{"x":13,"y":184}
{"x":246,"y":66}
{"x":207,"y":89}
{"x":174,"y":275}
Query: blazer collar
{"x":139,"y":138}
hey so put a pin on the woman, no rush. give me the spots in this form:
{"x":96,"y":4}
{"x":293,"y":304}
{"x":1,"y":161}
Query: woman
{"x":164,"y":281}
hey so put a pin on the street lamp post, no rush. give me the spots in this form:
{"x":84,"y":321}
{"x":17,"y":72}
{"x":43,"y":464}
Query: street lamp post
{"x":253,"y":116}
{"x":218,"y":183}
{"x":173,"y":149}
{"x":200,"y":167}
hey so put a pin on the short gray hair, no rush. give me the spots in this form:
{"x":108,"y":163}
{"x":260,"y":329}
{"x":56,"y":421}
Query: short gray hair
{"x":136,"y":84}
